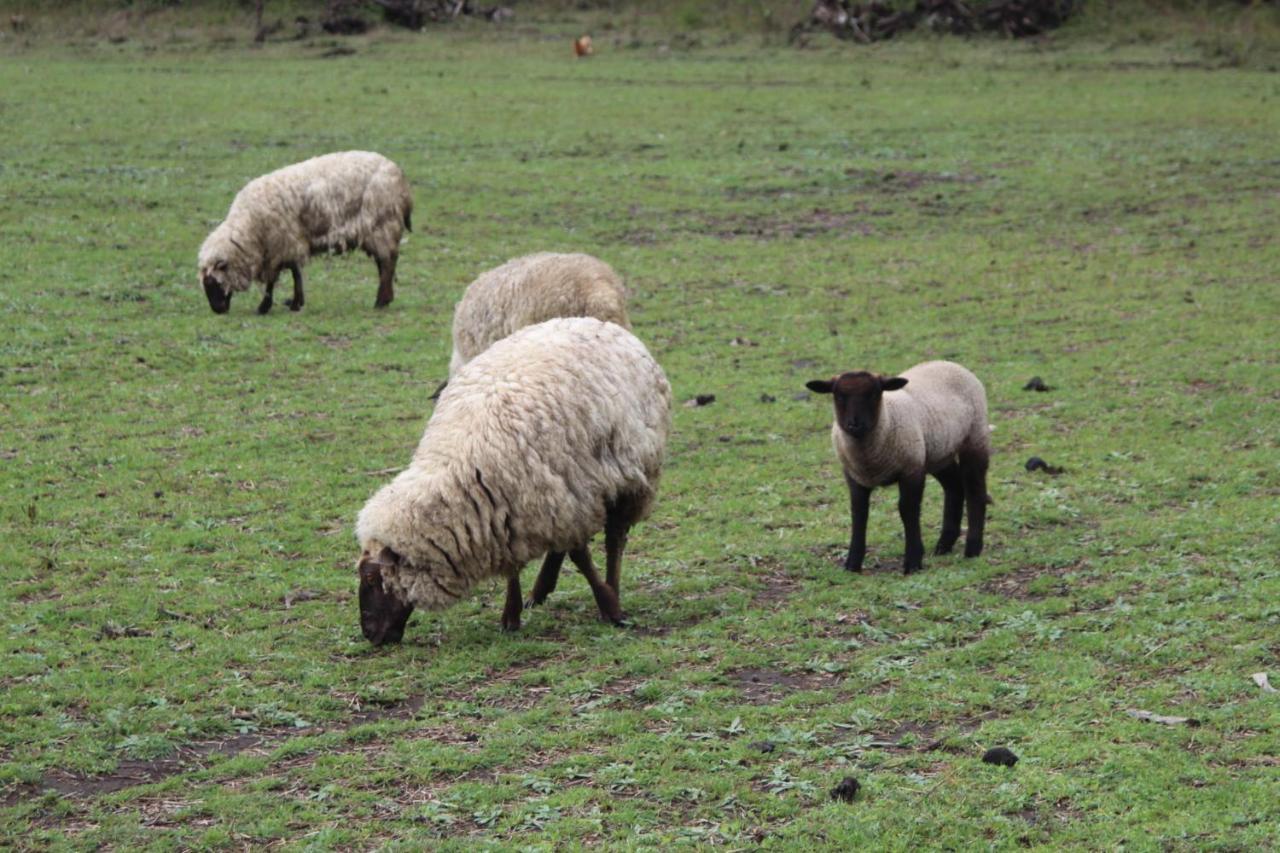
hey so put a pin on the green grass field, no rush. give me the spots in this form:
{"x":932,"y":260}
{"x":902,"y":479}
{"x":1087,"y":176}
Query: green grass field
{"x":182,"y":660}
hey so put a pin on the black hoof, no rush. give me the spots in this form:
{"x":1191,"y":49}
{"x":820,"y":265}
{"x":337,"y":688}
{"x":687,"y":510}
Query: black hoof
{"x":294,"y":306}
{"x":264,"y":306}
{"x":972,"y":549}
{"x":943,"y":548}
{"x":532,"y":602}
{"x":619,"y":621}
{"x":510,"y":627}
{"x":911,"y":570}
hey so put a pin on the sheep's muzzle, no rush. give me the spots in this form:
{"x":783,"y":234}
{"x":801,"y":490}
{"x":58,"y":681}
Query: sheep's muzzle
{"x":219,"y":300}
{"x":383,"y":616}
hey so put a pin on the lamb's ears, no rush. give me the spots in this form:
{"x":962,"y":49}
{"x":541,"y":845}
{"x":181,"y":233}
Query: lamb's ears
{"x":820,"y":386}
{"x":892,"y":383}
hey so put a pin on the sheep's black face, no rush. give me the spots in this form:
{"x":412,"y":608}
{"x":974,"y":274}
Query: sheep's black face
{"x":857,"y":399}
{"x":219,"y":296}
{"x":382,"y":615}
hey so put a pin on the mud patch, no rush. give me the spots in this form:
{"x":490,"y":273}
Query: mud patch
{"x":766,"y":686}
{"x":771,"y":226}
{"x":1017,"y":584}
{"x":131,"y":773}
{"x":777,"y":585}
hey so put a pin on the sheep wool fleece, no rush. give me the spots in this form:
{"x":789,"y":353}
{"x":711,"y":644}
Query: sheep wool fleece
{"x":529,"y":290}
{"x":335,"y":202}
{"x":527,"y":445}
{"x":940,"y":413}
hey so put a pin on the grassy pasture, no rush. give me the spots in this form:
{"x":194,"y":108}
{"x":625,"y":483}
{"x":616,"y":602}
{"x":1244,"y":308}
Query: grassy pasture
{"x":182,"y":664}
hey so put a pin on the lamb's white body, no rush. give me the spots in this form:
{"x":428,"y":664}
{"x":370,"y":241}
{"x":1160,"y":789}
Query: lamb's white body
{"x":529,"y":290}
{"x":336,"y":202}
{"x":527,"y":446}
{"x":923,"y":427}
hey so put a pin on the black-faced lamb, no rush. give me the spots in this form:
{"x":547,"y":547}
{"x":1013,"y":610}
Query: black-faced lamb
{"x":528,"y":290}
{"x":546,"y":438}
{"x":932,"y":419}
{"x":333,"y":203}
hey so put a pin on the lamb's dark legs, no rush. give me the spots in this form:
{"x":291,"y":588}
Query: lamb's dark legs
{"x":386,"y":279}
{"x":606,"y":599}
{"x":616,"y":526}
{"x":859,"y":507}
{"x":298,"y":300}
{"x":974,"y":471}
{"x":511,"y":610}
{"x":952,"y":507}
{"x":265,"y":305}
{"x":547,"y":577}
{"x":910,"y":493}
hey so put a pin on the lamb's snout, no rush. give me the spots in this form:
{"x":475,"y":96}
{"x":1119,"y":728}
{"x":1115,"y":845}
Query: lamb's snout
{"x":219,"y":300}
{"x":856,"y":428}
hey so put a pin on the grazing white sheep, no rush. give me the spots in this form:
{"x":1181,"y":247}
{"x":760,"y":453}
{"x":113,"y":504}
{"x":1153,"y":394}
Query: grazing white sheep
{"x":544,"y":439}
{"x":528,"y":290}
{"x":337,"y":202}
{"x":930,"y":420}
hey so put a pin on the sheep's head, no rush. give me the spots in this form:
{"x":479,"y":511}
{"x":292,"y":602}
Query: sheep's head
{"x":857,"y":399}
{"x":225,"y":268}
{"x":383,"y":614}
{"x":216,"y":279}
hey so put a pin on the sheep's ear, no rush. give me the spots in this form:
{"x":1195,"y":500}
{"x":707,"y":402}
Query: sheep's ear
{"x":220,"y":265}
{"x":820,"y":386}
{"x":370,"y":571}
{"x":371,"y":567}
{"x":892,"y":383}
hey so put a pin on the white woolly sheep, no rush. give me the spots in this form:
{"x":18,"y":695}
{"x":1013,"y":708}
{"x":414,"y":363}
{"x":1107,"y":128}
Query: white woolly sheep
{"x":932,"y":421}
{"x":541,"y":441}
{"x":336,"y":203}
{"x":528,"y":290}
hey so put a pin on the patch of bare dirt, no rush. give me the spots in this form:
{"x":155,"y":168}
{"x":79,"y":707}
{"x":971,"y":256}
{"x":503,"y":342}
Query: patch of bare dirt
{"x":133,"y":772}
{"x":815,"y":223}
{"x":766,"y":686}
{"x":1017,"y":584}
{"x":777,"y":584}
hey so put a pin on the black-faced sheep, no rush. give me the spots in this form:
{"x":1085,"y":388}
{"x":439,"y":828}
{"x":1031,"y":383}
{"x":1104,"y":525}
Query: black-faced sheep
{"x":334,"y":203}
{"x":930,"y":420}
{"x":546,"y":438}
{"x":528,"y":290}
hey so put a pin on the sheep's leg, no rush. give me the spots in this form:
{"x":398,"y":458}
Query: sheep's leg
{"x":859,"y":509}
{"x":265,"y":305}
{"x":386,"y":279}
{"x":974,"y":470}
{"x":296,"y":303}
{"x":952,"y":507}
{"x":910,"y":494}
{"x":511,"y":610}
{"x":606,"y":599}
{"x":547,"y":577}
{"x":616,"y":527}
